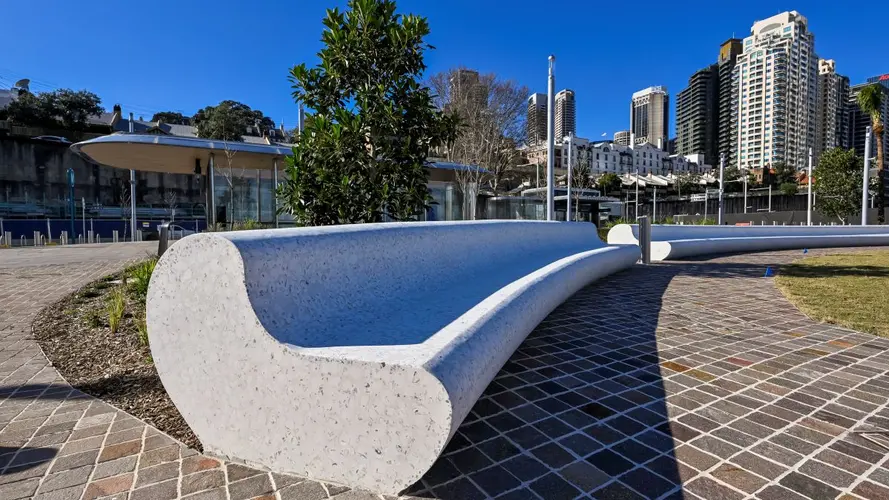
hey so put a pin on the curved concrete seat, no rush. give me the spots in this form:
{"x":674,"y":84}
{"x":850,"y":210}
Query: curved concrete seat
{"x":352,"y":353}
{"x":675,"y":241}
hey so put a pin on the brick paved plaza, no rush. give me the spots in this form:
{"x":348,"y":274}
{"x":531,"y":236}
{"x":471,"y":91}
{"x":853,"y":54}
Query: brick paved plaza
{"x":691,"y":379}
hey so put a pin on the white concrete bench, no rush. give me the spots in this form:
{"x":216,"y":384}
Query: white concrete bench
{"x":352,"y":353}
{"x":677,"y":241}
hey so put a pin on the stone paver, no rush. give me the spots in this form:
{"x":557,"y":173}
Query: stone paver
{"x":693,"y":378}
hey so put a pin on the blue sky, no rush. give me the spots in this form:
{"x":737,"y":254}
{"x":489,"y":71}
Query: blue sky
{"x":183,"y":55}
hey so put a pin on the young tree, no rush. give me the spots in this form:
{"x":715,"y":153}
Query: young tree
{"x":608,"y":182}
{"x":838,"y":184}
{"x":362,"y":155}
{"x":870,"y":100}
{"x":172,"y":117}
{"x":492,"y":120}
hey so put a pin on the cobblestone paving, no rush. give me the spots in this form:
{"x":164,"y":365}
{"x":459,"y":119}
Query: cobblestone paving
{"x":692,"y":379}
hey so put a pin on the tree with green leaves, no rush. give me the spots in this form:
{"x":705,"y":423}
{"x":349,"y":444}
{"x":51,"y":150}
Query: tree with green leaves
{"x":838,"y":183}
{"x":362,"y":154}
{"x":784,"y":174}
{"x":608,"y":182}
{"x":172,"y":117}
{"x":870,"y":100}
{"x":228,"y":121}
{"x":789,"y":188}
{"x":59,"y":108}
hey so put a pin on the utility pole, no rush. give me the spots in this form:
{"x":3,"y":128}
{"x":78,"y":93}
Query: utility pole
{"x":746,"y":174}
{"x":809,"y":195}
{"x":550,"y":142}
{"x":866,"y":184}
{"x":721,"y":186}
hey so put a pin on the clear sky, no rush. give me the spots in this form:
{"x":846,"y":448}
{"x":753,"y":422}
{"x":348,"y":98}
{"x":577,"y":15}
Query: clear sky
{"x":185,"y":54}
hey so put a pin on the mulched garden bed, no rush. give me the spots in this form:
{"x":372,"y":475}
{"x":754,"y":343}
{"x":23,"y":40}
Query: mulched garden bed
{"x":116,"y":367}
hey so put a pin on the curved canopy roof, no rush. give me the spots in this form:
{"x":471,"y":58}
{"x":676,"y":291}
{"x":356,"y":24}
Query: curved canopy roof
{"x":176,"y":155}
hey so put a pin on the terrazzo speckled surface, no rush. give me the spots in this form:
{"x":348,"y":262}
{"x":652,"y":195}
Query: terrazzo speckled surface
{"x":670,"y":241}
{"x":685,"y":380}
{"x":355,"y":369}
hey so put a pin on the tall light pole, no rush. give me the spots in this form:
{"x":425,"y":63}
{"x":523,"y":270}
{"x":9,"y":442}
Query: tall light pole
{"x":866,"y":183}
{"x":551,"y":142}
{"x":637,"y":193}
{"x":809,"y":194}
{"x":132,"y":192}
{"x":721,"y":186}
{"x":70,"y":199}
{"x":746,"y":174}
{"x":570,"y":165}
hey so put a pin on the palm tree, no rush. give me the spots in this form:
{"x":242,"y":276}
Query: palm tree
{"x":870,"y":100}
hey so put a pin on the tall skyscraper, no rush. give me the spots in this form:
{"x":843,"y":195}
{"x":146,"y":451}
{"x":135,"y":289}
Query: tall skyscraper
{"x":466,"y":86}
{"x":858,"y":121}
{"x":832,"y":109}
{"x":726,"y":133}
{"x":566,"y":114}
{"x":622,"y":138}
{"x":697,"y":115}
{"x":777,"y":83}
{"x":536,"y":120}
{"x":650,"y":116}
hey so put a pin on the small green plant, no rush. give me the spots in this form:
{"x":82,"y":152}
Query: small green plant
{"x":93,"y":319}
{"x":117,"y":304}
{"x":706,"y":222}
{"x":142,"y":330}
{"x":138,"y":278}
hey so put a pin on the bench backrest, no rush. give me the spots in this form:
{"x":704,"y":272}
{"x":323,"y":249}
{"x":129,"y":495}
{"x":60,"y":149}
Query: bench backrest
{"x":394,"y":283}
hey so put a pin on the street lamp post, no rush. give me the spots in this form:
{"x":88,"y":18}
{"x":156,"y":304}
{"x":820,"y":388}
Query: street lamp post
{"x":866,"y":183}
{"x":721,"y":186}
{"x":570,"y":165}
{"x":550,"y":142}
{"x":71,"y":198}
{"x":809,"y":194}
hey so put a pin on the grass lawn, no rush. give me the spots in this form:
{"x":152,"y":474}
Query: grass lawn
{"x":844,"y":289}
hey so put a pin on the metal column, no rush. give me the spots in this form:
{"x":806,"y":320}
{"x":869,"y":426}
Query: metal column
{"x":809,"y":194}
{"x":211,"y":192}
{"x":550,"y":142}
{"x":721,"y":186}
{"x":275,"y":192}
{"x":570,"y":167}
{"x":866,"y":183}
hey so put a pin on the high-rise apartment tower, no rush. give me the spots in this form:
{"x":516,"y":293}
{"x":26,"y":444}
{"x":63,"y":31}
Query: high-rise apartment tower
{"x":777,"y":81}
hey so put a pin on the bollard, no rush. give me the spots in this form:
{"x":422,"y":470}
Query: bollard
{"x":645,"y":239}
{"x":63,"y":238}
{"x":114,"y":236}
{"x":22,"y":240}
{"x":163,"y":238}
{"x":36,"y":238}
{"x":98,"y":239}
{"x":89,"y":235}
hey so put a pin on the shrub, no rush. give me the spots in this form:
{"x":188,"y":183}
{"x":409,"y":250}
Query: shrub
{"x":116,"y":306}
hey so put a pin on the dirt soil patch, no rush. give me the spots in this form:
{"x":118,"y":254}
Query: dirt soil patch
{"x":844,"y":289}
{"x":116,"y":367}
